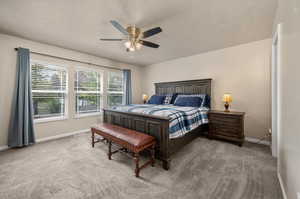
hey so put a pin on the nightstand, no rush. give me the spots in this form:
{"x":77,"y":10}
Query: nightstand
{"x":227,"y":126}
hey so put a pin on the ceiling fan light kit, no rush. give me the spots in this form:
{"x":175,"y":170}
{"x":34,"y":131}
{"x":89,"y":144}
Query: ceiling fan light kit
{"x":134,"y":37}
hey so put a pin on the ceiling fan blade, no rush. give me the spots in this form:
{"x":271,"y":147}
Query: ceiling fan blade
{"x":148,"y":44}
{"x":112,"y":39}
{"x":119,"y":27}
{"x":151,"y":32}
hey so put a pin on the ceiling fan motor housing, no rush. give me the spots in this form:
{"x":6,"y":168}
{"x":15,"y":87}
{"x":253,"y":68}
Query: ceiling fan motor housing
{"x":133,"y":32}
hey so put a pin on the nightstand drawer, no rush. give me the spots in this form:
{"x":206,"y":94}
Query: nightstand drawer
{"x":226,"y":130}
{"x":235,"y":120}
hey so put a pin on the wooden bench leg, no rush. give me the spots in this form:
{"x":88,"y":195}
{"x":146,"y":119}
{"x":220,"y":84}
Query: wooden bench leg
{"x":166,"y":164}
{"x":137,"y":168}
{"x":93,"y":139}
{"x":109,"y":150}
{"x":153,"y":155}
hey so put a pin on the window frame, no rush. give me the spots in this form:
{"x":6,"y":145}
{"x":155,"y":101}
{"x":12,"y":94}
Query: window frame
{"x":114,"y":92}
{"x":101,"y":73}
{"x":65,"y":115}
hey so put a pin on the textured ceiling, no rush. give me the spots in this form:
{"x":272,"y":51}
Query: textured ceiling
{"x":189,"y":26}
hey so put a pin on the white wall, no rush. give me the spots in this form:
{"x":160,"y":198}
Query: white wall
{"x":243,"y":71}
{"x":289,"y":144}
{"x":7,"y":84}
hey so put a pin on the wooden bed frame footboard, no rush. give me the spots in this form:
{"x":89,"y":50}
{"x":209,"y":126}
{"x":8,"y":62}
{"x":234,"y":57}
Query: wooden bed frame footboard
{"x":155,"y":126}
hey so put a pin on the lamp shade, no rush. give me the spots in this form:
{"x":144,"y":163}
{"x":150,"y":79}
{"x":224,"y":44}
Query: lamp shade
{"x":145,"y":97}
{"x":227,"y":98}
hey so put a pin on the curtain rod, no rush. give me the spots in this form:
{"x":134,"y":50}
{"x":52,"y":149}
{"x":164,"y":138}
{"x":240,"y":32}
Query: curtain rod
{"x":68,"y":59}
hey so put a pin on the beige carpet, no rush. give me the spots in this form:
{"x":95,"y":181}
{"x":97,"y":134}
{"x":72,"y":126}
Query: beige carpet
{"x":71,"y":168}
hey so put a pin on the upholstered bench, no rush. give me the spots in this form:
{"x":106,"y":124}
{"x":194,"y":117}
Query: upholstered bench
{"x":129,"y":140}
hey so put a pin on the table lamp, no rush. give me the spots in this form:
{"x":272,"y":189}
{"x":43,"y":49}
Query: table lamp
{"x":145,"y":98}
{"x":227,"y":98}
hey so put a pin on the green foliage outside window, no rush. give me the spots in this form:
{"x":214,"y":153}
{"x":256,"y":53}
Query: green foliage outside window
{"x":48,"y":90}
{"x":87,"y":87}
{"x":115,"y":89}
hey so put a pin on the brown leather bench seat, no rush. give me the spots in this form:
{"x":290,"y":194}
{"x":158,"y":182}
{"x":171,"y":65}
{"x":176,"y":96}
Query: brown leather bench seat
{"x":128,"y":139}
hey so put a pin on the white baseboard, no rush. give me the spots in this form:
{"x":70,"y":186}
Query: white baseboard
{"x":258,"y":141}
{"x":62,"y":135}
{"x":5,"y":147}
{"x":282,"y":186}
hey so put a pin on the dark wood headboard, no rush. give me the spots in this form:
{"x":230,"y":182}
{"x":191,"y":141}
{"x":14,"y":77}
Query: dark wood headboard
{"x":198,"y":86}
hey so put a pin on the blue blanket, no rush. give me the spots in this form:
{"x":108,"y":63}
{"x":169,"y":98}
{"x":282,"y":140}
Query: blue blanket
{"x":182,"y":119}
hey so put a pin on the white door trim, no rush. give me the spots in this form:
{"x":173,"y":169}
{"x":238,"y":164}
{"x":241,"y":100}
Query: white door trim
{"x":276,"y":91}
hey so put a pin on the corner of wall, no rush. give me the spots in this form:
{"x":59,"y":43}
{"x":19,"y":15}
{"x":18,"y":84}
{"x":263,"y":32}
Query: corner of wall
{"x":281,"y":186}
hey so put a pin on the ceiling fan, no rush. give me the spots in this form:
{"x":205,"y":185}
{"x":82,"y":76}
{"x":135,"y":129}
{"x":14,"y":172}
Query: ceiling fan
{"x":135,"y":36}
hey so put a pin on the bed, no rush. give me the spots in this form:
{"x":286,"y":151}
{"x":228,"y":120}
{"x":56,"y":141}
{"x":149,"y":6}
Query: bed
{"x":159,"y":126}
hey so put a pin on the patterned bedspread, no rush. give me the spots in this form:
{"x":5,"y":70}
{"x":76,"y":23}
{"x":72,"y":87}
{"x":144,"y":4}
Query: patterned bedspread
{"x":182,"y":119}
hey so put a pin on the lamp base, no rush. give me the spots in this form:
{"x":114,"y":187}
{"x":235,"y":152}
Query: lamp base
{"x":226,"y":105}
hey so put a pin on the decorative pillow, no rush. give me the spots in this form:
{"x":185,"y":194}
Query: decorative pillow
{"x":206,"y":101}
{"x":205,"y":98}
{"x":168,"y":98}
{"x":174,"y":98}
{"x":188,"y":101}
{"x":156,"y":99}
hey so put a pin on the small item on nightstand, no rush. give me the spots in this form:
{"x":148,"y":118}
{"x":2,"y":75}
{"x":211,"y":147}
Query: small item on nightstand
{"x":145,"y":98}
{"x":227,"y":98}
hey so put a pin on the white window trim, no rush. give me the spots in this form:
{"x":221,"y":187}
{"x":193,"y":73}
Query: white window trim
{"x":66,"y":111}
{"x":101,"y":92}
{"x":49,"y":119}
{"x":115,"y":92}
{"x":88,"y":114}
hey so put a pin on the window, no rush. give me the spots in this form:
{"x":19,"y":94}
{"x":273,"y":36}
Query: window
{"x":49,"y":91}
{"x":115,"y":88}
{"x":88,"y":92}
